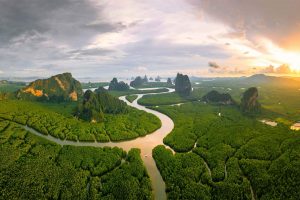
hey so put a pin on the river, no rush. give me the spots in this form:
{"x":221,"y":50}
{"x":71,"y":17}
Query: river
{"x":145,"y":144}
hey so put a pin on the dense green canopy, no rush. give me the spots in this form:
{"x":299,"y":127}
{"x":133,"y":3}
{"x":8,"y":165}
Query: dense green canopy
{"x":216,"y":97}
{"x":95,"y":104}
{"x":33,"y":168}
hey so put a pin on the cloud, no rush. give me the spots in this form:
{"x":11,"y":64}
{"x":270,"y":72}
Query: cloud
{"x":268,"y":70}
{"x":142,"y":69}
{"x":276,"y":19}
{"x":165,"y":48}
{"x":229,"y":71}
{"x":72,"y":22}
{"x":111,"y":38}
{"x":91,"y":52}
{"x":213,"y":65}
{"x":37,"y":33}
{"x":283,"y":69}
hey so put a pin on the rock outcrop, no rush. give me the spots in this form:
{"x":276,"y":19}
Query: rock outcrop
{"x":219,"y":98}
{"x":138,"y":81}
{"x":183,"y":85}
{"x":61,"y":87}
{"x":249,"y":101}
{"x":119,"y":86}
{"x":169,"y":81}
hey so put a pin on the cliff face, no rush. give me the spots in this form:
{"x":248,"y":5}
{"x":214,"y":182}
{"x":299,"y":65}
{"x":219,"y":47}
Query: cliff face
{"x":61,"y":87}
{"x":183,"y":85}
{"x":249,"y":102}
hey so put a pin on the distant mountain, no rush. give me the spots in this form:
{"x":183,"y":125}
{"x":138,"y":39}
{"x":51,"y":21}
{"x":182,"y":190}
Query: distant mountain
{"x":254,"y":80}
{"x":271,"y":80}
{"x":61,"y":87}
{"x":219,"y":98}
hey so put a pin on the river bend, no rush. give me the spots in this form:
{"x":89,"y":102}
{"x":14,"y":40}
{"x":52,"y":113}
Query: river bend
{"x":145,"y":144}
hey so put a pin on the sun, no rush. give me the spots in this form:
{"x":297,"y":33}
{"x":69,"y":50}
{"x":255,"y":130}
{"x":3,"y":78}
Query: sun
{"x":292,"y":59}
{"x":295,"y":65}
{"x":282,"y":56}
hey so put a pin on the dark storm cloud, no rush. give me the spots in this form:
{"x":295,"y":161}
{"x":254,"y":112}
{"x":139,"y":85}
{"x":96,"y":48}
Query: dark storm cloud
{"x":39,"y":33}
{"x":275,"y":19}
{"x":108,"y":37}
{"x":74,"y":21}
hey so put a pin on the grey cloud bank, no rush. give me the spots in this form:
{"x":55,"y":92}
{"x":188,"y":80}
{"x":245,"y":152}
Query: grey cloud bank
{"x":115,"y":38}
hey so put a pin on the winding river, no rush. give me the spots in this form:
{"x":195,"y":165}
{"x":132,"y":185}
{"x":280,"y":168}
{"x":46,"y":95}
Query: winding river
{"x":145,"y":144}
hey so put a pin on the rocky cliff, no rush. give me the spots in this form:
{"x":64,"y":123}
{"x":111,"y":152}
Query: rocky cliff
{"x":183,"y":85}
{"x":249,"y":101}
{"x":61,"y":87}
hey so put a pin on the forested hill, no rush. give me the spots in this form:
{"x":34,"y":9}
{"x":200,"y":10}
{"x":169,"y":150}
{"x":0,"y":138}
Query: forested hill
{"x":96,"y":104}
{"x":61,"y":87}
{"x":220,"y":98}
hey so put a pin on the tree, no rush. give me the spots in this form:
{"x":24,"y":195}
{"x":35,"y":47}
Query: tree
{"x":183,"y":85}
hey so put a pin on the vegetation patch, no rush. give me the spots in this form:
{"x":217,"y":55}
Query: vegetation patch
{"x":95,"y":104}
{"x":218,"y":98}
{"x":133,"y":91}
{"x":33,"y":168}
{"x":233,"y":155}
{"x":61,"y":124}
{"x":131,"y":98}
{"x":164,"y":99}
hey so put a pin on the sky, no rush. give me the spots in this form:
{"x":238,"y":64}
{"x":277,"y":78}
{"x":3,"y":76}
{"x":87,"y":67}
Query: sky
{"x":124,"y":38}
